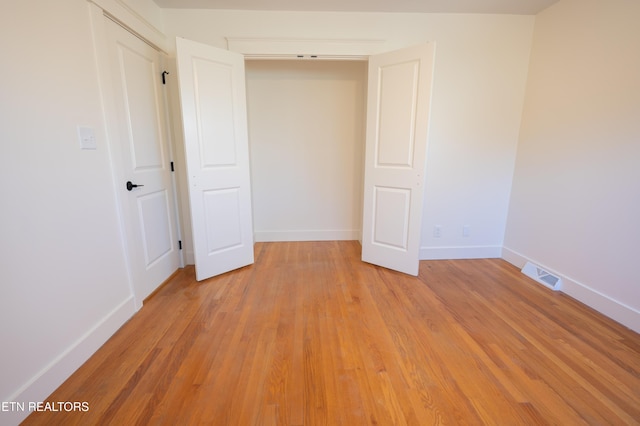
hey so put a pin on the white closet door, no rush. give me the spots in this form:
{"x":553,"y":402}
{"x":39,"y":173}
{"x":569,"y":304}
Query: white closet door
{"x":212,"y":94}
{"x":398,"y":107}
{"x":142,"y":151}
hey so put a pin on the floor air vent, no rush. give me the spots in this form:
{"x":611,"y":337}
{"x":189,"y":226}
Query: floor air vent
{"x":542,"y":276}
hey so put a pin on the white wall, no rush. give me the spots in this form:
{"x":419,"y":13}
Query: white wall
{"x":63,"y":280}
{"x":306,"y":132}
{"x":480,"y":74}
{"x":575,"y":205}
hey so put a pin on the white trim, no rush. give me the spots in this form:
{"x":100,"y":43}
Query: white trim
{"x":307,"y":235}
{"x":171,"y":145}
{"x":290,"y":48}
{"x":462,"y":252}
{"x":616,"y":310}
{"x":42,"y":384}
{"x":292,"y":57}
{"x":515,"y":258}
{"x":122,"y":13}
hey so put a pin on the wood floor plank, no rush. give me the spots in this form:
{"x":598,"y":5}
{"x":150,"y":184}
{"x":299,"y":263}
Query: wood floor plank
{"x":310,"y":335}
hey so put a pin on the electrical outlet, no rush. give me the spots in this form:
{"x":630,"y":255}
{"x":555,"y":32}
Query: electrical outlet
{"x":437,"y":231}
{"x":466,"y":231}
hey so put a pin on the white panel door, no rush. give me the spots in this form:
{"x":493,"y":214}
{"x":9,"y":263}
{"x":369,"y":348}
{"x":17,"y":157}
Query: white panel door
{"x":213,"y":99}
{"x":141,"y":147}
{"x":398,"y":105}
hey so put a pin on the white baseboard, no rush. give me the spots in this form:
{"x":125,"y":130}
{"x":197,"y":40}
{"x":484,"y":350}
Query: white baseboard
{"x":307,"y":235}
{"x":60,"y":368}
{"x":475,"y":252}
{"x":602,"y":303}
{"x":515,"y":258}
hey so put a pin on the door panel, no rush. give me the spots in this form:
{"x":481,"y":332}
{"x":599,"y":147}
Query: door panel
{"x":399,"y":96}
{"x":155,"y":224}
{"x":140,"y":143}
{"x":212,"y":95}
{"x":396,"y":111}
{"x":222,"y":215}
{"x":391,"y":217}
{"x":214,"y":106}
{"x":138,"y":78}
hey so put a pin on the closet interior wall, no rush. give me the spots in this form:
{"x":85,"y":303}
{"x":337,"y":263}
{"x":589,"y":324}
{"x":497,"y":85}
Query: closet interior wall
{"x":306,"y":139}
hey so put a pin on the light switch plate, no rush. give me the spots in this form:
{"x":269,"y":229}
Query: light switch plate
{"x":87,"y":138}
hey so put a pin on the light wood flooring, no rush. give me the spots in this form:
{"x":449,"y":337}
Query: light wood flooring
{"x":310,"y":335}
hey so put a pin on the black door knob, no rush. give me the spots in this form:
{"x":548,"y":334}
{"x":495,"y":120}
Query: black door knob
{"x":131,"y":185}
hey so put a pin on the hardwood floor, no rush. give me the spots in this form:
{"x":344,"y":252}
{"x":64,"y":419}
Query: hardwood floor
{"x":310,"y":335}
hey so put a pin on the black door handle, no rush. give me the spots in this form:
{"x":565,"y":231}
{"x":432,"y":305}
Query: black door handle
{"x":130,"y":185}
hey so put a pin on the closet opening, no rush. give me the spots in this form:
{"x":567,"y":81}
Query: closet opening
{"x":306,"y":121}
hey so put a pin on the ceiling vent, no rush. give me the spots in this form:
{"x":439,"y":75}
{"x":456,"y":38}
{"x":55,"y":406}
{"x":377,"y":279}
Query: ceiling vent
{"x":542,"y":276}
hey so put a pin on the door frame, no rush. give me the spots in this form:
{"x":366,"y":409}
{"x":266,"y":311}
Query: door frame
{"x":110,"y":120}
{"x":359,"y":50}
{"x":314,"y":49}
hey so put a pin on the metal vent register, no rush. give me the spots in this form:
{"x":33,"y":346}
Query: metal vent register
{"x":542,"y":276}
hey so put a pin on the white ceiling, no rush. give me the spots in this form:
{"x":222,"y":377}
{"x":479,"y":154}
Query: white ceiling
{"x":516,"y":7}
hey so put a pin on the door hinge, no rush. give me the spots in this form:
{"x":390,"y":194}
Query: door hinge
{"x":172,"y":169}
{"x":179,"y":245}
{"x":164,"y":73}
